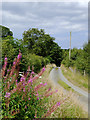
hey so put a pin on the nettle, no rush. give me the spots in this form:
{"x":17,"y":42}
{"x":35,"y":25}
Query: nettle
{"x":21,"y":96}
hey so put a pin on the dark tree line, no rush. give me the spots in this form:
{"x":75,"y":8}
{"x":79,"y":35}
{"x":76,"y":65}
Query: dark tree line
{"x":43,"y":45}
{"x":37,"y":47}
{"x":79,"y":58}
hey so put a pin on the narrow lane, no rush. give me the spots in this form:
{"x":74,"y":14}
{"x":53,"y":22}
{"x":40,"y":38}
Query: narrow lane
{"x":77,"y":89}
{"x":56,"y":75}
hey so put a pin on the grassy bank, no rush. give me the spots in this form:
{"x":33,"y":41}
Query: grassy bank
{"x":68,"y":109}
{"x":75,"y":78}
{"x":65,"y":86}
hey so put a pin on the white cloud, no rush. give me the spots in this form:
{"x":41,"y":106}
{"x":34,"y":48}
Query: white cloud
{"x":55,"y":18}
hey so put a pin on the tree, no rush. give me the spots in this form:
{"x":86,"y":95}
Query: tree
{"x":37,"y":39}
{"x":4,"y":32}
{"x":31,"y":36}
{"x":43,"y":45}
{"x":9,"y":48}
{"x":56,"y":54}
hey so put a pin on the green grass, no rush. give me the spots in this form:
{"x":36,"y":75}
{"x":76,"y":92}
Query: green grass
{"x":56,"y":68}
{"x":69,"y":109}
{"x":76,"y":78}
{"x":64,"y":85}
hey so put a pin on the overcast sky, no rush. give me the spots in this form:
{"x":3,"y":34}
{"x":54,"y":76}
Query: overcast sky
{"x":56,"y":18}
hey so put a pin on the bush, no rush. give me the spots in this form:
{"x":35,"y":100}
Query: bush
{"x":33,"y":60}
{"x":23,"y":99}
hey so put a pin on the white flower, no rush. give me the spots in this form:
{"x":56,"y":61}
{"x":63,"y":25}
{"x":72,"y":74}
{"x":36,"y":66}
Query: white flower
{"x":40,"y":77}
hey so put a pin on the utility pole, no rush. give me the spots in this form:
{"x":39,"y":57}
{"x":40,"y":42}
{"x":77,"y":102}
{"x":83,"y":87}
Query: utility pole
{"x":70,"y":47}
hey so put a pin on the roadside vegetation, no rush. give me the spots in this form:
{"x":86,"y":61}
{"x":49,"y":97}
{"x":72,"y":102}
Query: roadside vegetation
{"x":71,"y":107}
{"x":27,"y":91}
{"x":64,"y":85}
{"x":33,"y":96}
{"x":75,"y":78}
{"x":79,"y":59}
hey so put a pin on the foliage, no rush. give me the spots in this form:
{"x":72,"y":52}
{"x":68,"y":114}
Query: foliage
{"x":33,"y":60}
{"x":4,"y":31}
{"x":79,"y":59}
{"x":22,"y":99}
{"x":43,"y":45}
{"x":37,"y":39}
{"x":10,"y":48}
{"x":56,"y":54}
{"x":73,"y":76}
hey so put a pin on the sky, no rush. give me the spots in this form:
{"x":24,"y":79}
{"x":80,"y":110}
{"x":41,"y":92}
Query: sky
{"x":57,"y":19}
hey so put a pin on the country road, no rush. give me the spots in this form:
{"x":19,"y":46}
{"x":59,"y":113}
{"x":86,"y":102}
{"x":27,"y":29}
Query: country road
{"x":56,"y":75}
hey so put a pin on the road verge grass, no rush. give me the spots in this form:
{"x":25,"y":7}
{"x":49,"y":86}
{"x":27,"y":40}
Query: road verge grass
{"x":71,"y":108}
{"x":64,"y":85}
{"x":75,"y":78}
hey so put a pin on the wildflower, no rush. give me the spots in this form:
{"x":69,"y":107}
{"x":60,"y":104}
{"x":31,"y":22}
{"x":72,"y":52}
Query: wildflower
{"x":56,"y":91}
{"x":7,"y":94}
{"x":5,"y":58}
{"x":23,"y":84}
{"x":49,"y":89}
{"x":23,"y":89}
{"x":29,"y":98}
{"x":37,"y":94}
{"x":43,"y":68}
{"x":8,"y":70}
{"x":30,"y":81}
{"x":13,"y":90}
{"x":58,"y":103}
{"x":44,"y":84}
{"x":38,"y":87}
{"x":37,"y":98}
{"x":22,"y":79}
{"x":32,"y":73}
{"x":19,"y":56}
{"x":35,"y":116}
{"x":14,"y":63}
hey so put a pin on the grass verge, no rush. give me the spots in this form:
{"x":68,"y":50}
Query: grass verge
{"x":70,"y":108}
{"x":65,"y":86}
{"x":75,"y":78}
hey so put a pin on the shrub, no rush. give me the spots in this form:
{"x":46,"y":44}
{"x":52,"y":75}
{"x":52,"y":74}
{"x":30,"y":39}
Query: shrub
{"x":22,"y":98}
{"x":33,"y":60}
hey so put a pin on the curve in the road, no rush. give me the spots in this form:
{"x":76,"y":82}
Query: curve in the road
{"x":56,"y":74}
{"x":82,"y":92}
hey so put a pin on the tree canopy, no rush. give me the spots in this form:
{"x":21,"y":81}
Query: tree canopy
{"x":4,"y":32}
{"x":42,"y":44}
{"x":79,"y":58}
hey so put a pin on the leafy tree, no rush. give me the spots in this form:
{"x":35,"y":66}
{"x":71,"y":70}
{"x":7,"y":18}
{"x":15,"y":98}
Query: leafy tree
{"x":38,"y":41}
{"x":9,"y":48}
{"x":79,"y":58}
{"x":82,"y":62}
{"x":42,"y":44}
{"x":4,"y":32}
{"x":31,"y":36}
{"x":56,"y":54}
